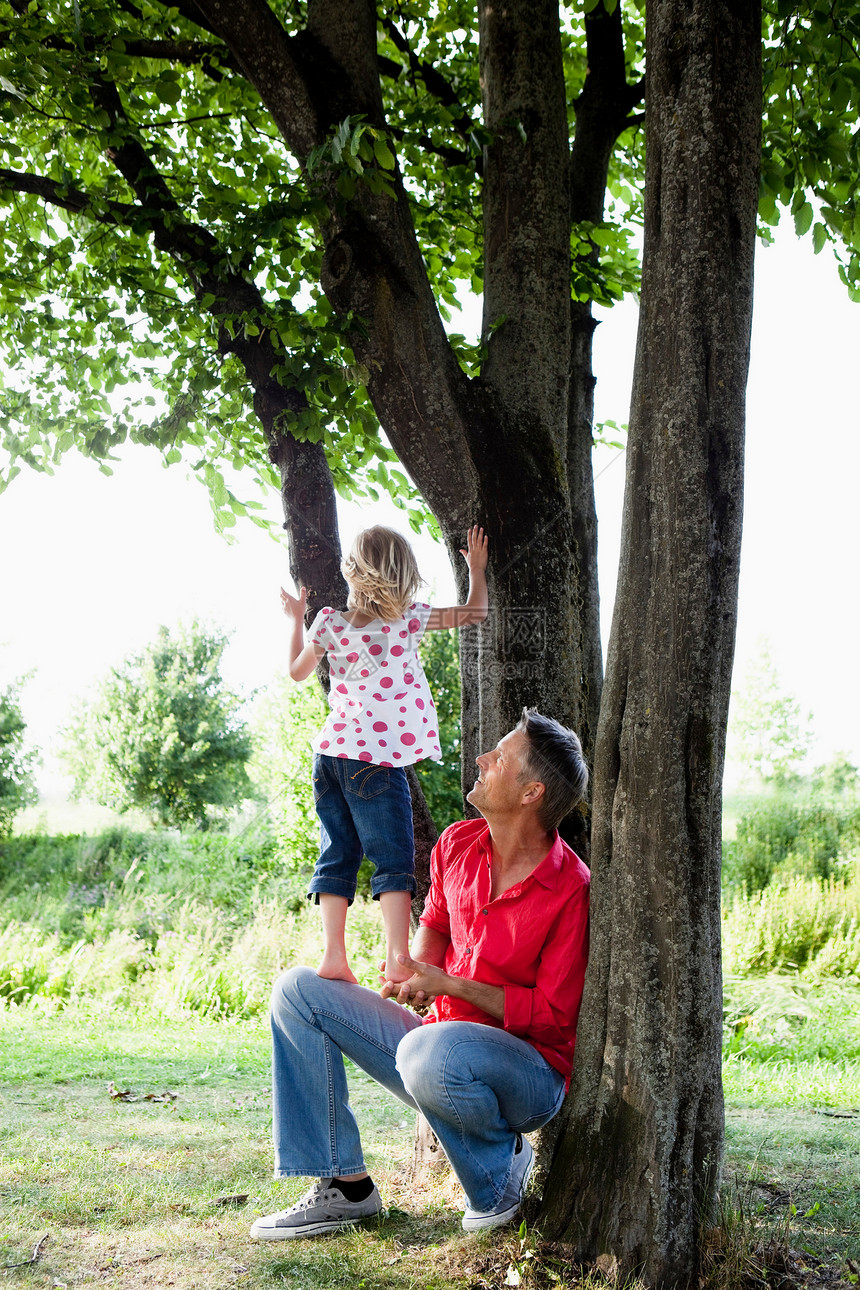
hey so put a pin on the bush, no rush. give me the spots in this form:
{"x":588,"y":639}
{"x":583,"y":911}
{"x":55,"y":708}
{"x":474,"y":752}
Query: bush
{"x":17,"y":788}
{"x":781,"y":837}
{"x":163,"y":733}
{"x":808,"y":924}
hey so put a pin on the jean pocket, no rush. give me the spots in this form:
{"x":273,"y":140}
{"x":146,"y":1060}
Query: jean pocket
{"x":368,"y":781}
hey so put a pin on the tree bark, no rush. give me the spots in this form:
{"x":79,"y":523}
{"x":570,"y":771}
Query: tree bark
{"x":637,"y":1160}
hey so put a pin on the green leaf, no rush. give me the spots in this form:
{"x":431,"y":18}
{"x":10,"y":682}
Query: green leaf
{"x":383,"y":154}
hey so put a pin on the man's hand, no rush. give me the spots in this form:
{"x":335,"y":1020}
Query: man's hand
{"x":425,"y":982}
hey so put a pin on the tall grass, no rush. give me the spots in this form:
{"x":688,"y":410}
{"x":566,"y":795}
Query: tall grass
{"x":161,"y":922}
{"x":810,"y":925}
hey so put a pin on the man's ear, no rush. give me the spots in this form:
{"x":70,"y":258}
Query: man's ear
{"x":533,"y":793}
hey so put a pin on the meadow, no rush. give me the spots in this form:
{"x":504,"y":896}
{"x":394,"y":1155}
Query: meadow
{"x":135,"y":968}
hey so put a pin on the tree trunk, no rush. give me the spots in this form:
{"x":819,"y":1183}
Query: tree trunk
{"x":637,"y":1162}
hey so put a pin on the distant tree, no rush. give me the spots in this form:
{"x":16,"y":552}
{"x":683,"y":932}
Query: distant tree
{"x":163,"y":733}
{"x":769,"y":736}
{"x":17,"y":787}
{"x":836,"y":776}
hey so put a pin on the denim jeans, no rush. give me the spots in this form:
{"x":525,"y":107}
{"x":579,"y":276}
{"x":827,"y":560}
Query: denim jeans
{"x":364,"y":810}
{"x":477,"y":1085}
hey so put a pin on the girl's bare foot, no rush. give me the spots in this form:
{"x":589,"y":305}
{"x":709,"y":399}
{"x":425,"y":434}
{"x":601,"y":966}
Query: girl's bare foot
{"x":334,"y":967}
{"x":394,"y":971}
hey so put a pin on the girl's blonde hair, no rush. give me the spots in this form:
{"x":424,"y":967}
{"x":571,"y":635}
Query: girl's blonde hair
{"x":381,"y":573}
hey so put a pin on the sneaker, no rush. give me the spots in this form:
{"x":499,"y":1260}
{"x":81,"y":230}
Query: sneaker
{"x":323,"y":1209}
{"x":524,"y":1162}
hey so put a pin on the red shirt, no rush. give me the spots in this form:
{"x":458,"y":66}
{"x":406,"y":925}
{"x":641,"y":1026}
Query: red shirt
{"x":532,"y":939}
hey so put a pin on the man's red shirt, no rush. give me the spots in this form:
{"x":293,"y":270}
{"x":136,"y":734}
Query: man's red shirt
{"x":532,"y":939}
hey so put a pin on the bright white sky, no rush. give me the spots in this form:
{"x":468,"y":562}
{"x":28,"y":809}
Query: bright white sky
{"x":90,"y":566}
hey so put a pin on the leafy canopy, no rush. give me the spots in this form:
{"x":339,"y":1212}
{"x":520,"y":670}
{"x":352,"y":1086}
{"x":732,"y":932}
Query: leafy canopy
{"x":155,"y":219}
{"x":163,"y":733}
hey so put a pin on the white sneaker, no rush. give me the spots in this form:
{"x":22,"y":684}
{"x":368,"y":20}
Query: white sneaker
{"x":322,"y":1209}
{"x":524,"y":1162}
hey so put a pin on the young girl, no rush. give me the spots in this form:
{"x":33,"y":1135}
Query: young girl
{"x":382,"y":719}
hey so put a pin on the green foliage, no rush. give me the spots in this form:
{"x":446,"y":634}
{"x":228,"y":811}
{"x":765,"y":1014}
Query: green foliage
{"x":287,"y":718}
{"x":195,"y":922}
{"x":805,"y":924}
{"x":440,"y":781}
{"x":17,"y":787}
{"x":768,"y":735}
{"x":811,"y":149}
{"x":781,"y":837}
{"x":768,"y":1018}
{"x":163,"y":733}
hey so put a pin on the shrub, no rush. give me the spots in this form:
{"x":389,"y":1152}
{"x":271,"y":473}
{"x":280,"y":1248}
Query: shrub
{"x":806,"y":924}
{"x":785,"y":837}
{"x":17,"y":787}
{"x":163,"y":733}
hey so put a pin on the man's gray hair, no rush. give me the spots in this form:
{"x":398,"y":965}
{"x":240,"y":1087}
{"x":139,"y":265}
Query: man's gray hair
{"x":554,"y":758}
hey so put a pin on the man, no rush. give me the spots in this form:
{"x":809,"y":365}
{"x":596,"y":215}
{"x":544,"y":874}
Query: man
{"x":501,"y":948}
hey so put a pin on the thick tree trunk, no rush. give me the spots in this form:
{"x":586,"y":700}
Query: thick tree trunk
{"x":637,"y":1162}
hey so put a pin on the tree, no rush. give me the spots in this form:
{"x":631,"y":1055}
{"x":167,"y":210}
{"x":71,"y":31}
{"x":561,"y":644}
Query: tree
{"x":17,"y":786}
{"x":163,"y":734}
{"x":272,"y":207}
{"x":772,"y":738}
{"x":636,"y":1170}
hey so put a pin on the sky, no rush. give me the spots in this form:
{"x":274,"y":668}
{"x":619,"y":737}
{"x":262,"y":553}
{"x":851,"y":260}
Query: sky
{"x":90,"y":566}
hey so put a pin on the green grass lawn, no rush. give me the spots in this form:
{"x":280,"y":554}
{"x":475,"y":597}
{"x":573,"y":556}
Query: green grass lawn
{"x":147,"y":1193}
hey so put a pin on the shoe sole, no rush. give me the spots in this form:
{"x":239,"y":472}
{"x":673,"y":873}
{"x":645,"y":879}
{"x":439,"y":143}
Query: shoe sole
{"x":489,"y":1221}
{"x":309,"y":1229}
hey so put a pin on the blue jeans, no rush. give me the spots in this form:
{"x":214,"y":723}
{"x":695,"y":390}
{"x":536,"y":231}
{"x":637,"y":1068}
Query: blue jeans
{"x":478,"y":1086}
{"x":364,"y":810}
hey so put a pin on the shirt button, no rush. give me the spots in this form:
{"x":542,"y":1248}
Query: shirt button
{"x":485,"y":911}
{"x":468,"y":949}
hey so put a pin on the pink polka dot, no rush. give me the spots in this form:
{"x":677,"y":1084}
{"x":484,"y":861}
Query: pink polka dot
{"x":396,"y":754}
{"x":380,"y":698}
{"x":341,"y":689}
{"x":407,"y":739}
{"x":387,"y":763}
{"x":397,"y":650}
{"x":339,"y":725}
{"x":352,"y":657}
{"x":424,"y":720}
{"x":386,"y":629}
{"x":401,"y":695}
{"x":345,"y":640}
{"x":323,"y":743}
{"x":341,"y":671}
{"x":419,"y":703}
{"x":360,"y":743}
{"x":408,"y":678}
{"x":404,"y":634}
{"x":387,"y":683}
{"x":419,"y":752}
{"x":401,"y":723}
{"x":375,"y":649}
{"x":414,"y":625}
{"x":380,"y":725}
{"x":364,"y":672}
{"x":431,"y":734}
{"x":383,"y":743}
{"x":341,"y":740}
{"x":364,"y":756}
{"x":342,"y":756}
{"x":365,"y":638}
{"x":362,"y":687}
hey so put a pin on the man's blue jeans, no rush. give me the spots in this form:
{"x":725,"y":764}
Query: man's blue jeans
{"x":477,"y":1085}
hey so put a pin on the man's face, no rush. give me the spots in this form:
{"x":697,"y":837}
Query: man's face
{"x":498,"y":788}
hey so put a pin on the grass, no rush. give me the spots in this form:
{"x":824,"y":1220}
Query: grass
{"x":144,"y":961}
{"x":137,"y":1194}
